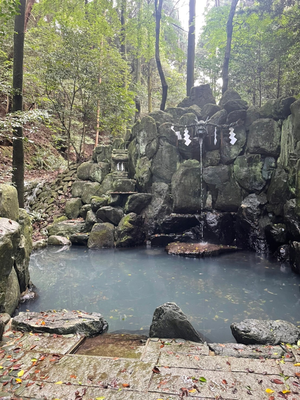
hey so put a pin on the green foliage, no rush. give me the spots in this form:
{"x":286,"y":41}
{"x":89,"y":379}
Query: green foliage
{"x":264,"y":60}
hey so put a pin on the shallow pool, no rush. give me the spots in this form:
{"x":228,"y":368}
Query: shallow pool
{"x":126,"y":286}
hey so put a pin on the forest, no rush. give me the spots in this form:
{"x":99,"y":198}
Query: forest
{"x":93,"y":67}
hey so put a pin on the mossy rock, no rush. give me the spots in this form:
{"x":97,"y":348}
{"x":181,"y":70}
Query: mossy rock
{"x":101,"y":236}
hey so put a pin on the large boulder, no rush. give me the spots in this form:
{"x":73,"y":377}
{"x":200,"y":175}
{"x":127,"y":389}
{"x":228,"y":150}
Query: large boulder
{"x":229,"y":95}
{"x":279,"y":191}
{"x":165,"y":162}
{"x":287,"y":144}
{"x":219,"y":228}
{"x":171,"y":323}
{"x":9,"y":206}
{"x":248,"y":172}
{"x":94,"y":172}
{"x":110,"y":214}
{"x":86,"y":190}
{"x":278,"y":108}
{"x":229,"y":151}
{"x":130,"y":232}
{"x":66,"y":228}
{"x":9,"y":238}
{"x":264,"y":137}
{"x":229,"y":197}
{"x":58,"y":241}
{"x":295,"y":256}
{"x":143,"y":174}
{"x":199,"y":95}
{"x":161,"y":117}
{"x":24,"y":250}
{"x":146,"y":137}
{"x":187,"y":192}
{"x":255,"y":331}
{"x":159,"y":207}
{"x":292,"y":219}
{"x":73,"y":207}
{"x":62,"y":322}
{"x":137,"y":202}
{"x":102,"y":153}
{"x":250,"y":224}
{"x":12,"y":292}
{"x":101,"y":236}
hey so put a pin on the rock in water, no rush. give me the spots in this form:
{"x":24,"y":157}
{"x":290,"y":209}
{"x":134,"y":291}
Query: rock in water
{"x":62,"y":322}
{"x":255,"y":331}
{"x":170,"y":322}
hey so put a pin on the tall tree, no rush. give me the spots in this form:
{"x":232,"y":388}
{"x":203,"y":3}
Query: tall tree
{"x":191,"y":48}
{"x":229,"y":30}
{"x":158,"y":9}
{"x":18,"y":149}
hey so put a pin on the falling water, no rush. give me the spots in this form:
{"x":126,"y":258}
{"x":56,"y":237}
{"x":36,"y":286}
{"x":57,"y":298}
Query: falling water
{"x":200,"y":219}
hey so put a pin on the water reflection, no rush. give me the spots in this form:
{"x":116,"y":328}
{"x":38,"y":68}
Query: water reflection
{"x":127,"y":285}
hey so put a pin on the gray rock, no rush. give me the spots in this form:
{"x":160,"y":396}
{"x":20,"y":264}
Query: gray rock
{"x":101,"y":236}
{"x":235,"y":105}
{"x":255,"y":331}
{"x":199,"y":95}
{"x":90,"y":220}
{"x":110,"y":214}
{"x":9,"y":205}
{"x":278,"y":108}
{"x":84,"y":209}
{"x":248,"y":172}
{"x":186,"y":188}
{"x":209,"y":110}
{"x":170,"y":322}
{"x":229,"y":196}
{"x":219,"y":228}
{"x":58,"y":241}
{"x":230,"y":94}
{"x":86,"y":190}
{"x":250,"y":226}
{"x":175,"y":223}
{"x":195,"y":110}
{"x":130,"y":232}
{"x":252,"y":114}
{"x":80,"y":239}
{"x":143,"y":174}
{"x":239,"y":350}
{"x":165,"y":162}
{"x":166,"y":133}
{"x":99,"y":201}
{"x":102,"y":153}
{"x":72,"y":208}
{"x":229,"y":151}
{"x":161,"y":117}
{"x":136,"y":203}
{"x":287,"y":144}
{"x":66,"y":228}
{"x":279,"y":191}
{"x":295,"y":108}
{"x":62,"y":322}
{"x":12,"y":293}
{"x":94,"y":172}
{"x":236,"y":115}
{"x":264,"y":137}
{"x":123,"y":185}
{"x":188,"y":119}
{"x":146,"y":137}
{"x":295,"y":256}
{"x":176,"y":113}
{"x":24,"y":250}
{"x":292,"y":219}
{"x":211,"y":158}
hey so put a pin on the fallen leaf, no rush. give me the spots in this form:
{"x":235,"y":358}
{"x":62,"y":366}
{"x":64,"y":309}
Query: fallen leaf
{"x":277,"y":381}
{"x":18,"y":380}
{"x":269,"y":390}
{"x":21,"y":373}
{"x":73,"y":376}
{"x":286,"y":391}
{"x":125,"y":384}
{"x":297,"y":365}
{"x":202,"y":379}
{"x":58,"y":383}
{"x":156,"y":370}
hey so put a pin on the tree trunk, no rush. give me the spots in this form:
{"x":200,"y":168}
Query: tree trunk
{"x":29,"y":6}
{"x":164,"y":85}
{"x":229,"y":29}
{"x":18,"y":149}
{"x":149,"y":87}
{"x":191,"y":48}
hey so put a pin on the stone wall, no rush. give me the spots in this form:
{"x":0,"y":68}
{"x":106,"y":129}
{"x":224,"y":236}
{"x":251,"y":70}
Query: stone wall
{"x":247,"y":192}
{"x":15,"y":249}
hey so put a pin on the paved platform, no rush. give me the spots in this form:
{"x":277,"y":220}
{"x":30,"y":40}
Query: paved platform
{"x":40,"y":366}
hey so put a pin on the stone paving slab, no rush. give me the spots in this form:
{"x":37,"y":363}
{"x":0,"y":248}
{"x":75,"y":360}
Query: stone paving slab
{"x":50,"y":344}
{"x":247,"y":351}
{"x":263,"y":366}
{"x":167,"y":370}
{"x":181,"y":360}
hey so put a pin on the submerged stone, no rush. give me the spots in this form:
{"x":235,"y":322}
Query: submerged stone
{"x":198,"y":249}
{"x":61,"y":322}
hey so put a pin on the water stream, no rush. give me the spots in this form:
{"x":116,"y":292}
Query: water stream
{"x":126,"y":286}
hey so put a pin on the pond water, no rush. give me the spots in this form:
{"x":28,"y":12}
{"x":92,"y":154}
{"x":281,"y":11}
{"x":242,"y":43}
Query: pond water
{"x":126,"y":285}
